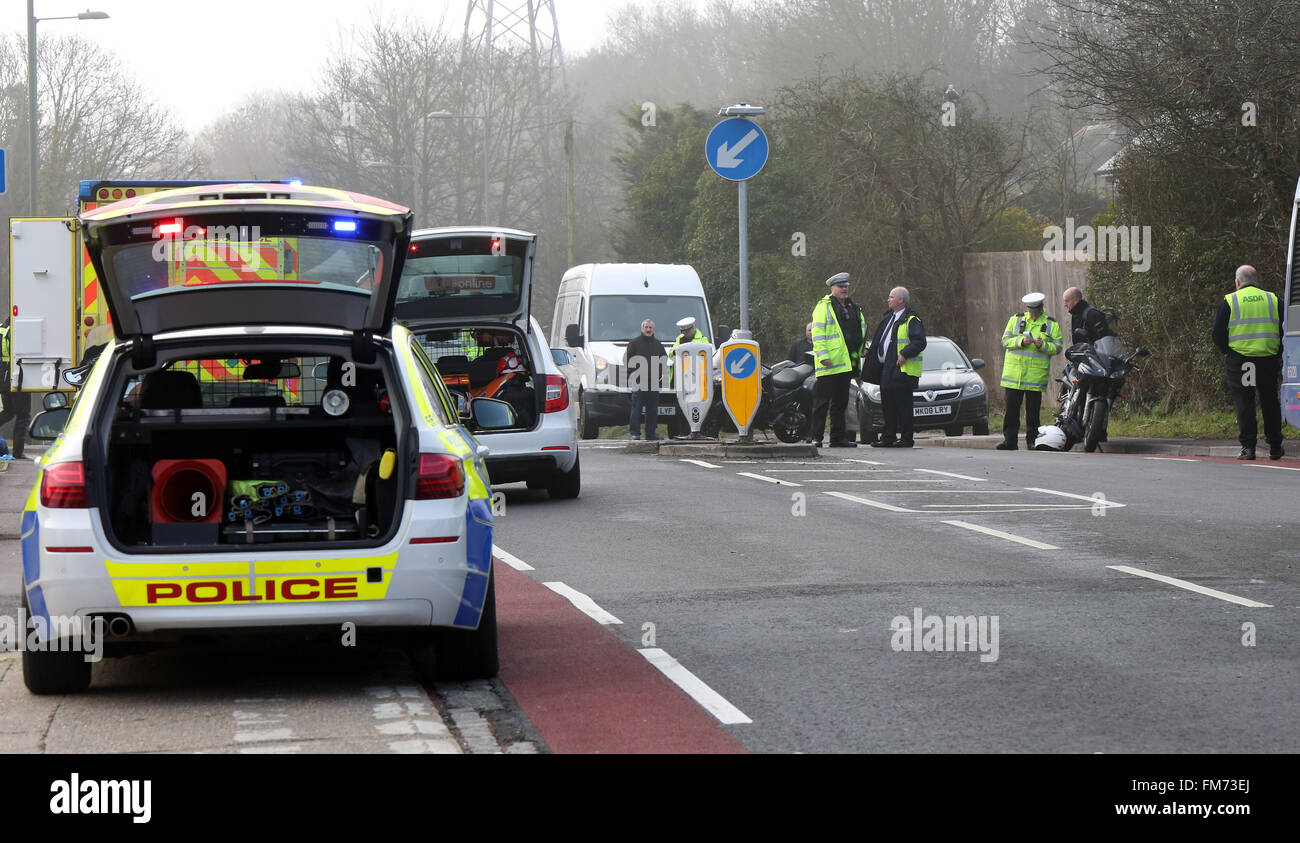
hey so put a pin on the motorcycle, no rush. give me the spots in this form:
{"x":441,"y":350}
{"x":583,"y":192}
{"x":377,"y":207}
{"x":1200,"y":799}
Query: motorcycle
{"x":1090,"y":386}
{"x":785,"y":406}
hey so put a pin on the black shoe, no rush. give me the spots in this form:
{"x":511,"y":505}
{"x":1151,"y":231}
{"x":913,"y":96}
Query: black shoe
{"x":844,"y":444}
{"x":1276,"y":452}
{"x":1007,"y":446}
{"x":1246,"y":454}
{"x":903,"y":443}
{"x":881,"y":443}
{"x":1029,"y":444}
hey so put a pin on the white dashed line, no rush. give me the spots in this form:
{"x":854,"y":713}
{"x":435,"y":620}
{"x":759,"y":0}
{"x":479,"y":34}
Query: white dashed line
{"x":1191,"y":586}
{"x":1096,"y":501}
{"x":829,"y":470}
{"x":709,"y":699}
{"x":866,"y":502}
{"x":583,"y":603}
{"x":1279,"y":467}
{"x":867,"y":462}
{"x":513,"y":561}
{"x":767,"y":479}
{"x":950,"y":474}
{"x":701,"y":463}
{"x":1011,"y":537}
{"x":1170,"y":459}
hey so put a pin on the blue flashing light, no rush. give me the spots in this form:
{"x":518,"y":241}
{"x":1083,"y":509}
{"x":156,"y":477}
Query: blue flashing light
{"x":348,"y":226}
{"x":295,"y":182}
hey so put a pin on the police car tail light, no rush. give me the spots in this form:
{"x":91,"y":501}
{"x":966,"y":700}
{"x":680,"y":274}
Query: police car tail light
{"x":63,"y":486}
{"x":440,"y":476}
{"x":557,"y":394}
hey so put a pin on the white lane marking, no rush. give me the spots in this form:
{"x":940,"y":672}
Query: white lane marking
{"x":869,"y":480}
{"x":830,"y":470}
{"x":1191,"y":586}
{"x":259,"y":735}
{"x":866,"y":502}
{"x":866,"y":462}
{"x":1088,"y":498}
{"x":583,"y":603}
{"x":701,"y":463}
{"x":1281,"y":467}
{"x":957,"y":492}
{"x":775,"y":480}
{"x":1011,"y":537}
{"x":1171,"y":459}
{"x":711,"y":700}
{"x":272,"y":749}
{"x":769,"y":462}
{"x":513,"y":561}
{"x":1022,"y":507}
{"x":950,"y":474}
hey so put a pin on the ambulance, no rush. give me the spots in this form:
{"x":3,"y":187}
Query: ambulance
{"x":56,"y":306}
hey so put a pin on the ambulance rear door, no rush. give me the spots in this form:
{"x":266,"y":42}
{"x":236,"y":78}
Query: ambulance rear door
{"x":43,"y":282}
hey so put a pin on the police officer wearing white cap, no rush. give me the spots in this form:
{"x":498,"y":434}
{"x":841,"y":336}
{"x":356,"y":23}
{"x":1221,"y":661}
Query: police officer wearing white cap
{"x":839,"y":333}
{"x":1030,"y":340}
{"x":687,"y":333}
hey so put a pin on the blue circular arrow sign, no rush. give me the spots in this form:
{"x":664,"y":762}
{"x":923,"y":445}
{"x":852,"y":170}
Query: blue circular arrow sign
{"x":740,"y":362}
{"x":736,"y":149}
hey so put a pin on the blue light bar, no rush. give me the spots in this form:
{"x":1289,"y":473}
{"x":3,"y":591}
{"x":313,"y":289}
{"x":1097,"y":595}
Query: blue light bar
{"x":295,"y":182}
{"x":348,"y":226}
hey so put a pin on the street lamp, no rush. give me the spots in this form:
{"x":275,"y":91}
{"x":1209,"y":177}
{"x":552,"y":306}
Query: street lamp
{"x":447,"y":115}
{"x":32,"y":20}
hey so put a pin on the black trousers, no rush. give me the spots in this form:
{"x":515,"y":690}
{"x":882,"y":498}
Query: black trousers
{"x":896,"y":405}
{"x":1033,"y":406}
{"x":650,"y":401}
{"x":832,"y":392}
{"x":1267,"y":370}
{"x":18,"y":406}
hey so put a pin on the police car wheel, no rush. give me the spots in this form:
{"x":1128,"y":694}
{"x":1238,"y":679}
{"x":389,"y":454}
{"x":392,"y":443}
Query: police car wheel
{"x":47,"y":672}
{"x":462,"y":654}
{"x":565,"y":485}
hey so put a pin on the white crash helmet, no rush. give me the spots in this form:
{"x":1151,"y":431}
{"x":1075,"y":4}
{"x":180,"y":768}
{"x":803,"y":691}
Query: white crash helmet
{"x":1050,"y":438}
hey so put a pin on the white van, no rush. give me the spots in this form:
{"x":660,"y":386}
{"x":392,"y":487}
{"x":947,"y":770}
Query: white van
{"x":598,"y":310}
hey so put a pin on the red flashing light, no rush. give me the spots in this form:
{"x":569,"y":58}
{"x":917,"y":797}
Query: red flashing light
{"x":170,"y":227}
{"x":117,"y":193}
{"x":130,"y":193}
{"x":15,"y":310}
{"x":103,"y":193}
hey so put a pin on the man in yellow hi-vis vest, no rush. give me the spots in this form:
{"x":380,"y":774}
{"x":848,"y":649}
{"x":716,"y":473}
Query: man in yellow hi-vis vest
{"x":1030,"y":340}
{"x":839,"y":331}
{"x":1248,"y":329}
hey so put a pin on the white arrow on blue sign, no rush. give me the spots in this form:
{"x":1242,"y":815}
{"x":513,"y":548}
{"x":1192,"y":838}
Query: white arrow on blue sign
{"x":740,"y":363}
{"x":736,"y":149}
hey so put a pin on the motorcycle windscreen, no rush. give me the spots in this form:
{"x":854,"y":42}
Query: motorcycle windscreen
{"x":248,"y":266}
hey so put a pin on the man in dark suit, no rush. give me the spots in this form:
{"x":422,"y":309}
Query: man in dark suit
{"x":897,"y":344}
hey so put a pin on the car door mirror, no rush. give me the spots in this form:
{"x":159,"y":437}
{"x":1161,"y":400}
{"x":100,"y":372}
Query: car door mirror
{"x":571,"y":335}
{"x":561,"y":357}
{"x":54,"y":401}
{"x":491,"y":414}
{"x":977,"y":363}
{"x":48,"y":425}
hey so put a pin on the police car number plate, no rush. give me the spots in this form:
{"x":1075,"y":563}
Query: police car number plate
{"x":940,"y":410}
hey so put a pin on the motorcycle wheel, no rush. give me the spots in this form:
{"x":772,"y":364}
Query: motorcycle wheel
{"x":1092,"y":431}
{"x":791,"y":426}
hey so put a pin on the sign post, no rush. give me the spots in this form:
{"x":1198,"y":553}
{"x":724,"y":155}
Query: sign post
{"x":742,"y":385}
{"x":693,"y":376}
{"x":737,"y":149}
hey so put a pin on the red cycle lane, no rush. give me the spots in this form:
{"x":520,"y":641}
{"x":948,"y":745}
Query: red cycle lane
{"x":585,"y":690}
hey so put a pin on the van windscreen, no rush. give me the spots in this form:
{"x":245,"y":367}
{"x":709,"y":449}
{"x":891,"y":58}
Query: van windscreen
{"x":619,"y":318}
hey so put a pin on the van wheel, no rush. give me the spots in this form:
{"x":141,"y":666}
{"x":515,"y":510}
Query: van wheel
{"x":462,"y":654}
{"x":953,"y":430}
{"x":590,"y":430}
{"x":53,"y":673}
{"x":565,"y":485}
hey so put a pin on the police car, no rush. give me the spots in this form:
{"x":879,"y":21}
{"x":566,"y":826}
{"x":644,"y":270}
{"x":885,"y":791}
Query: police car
{"x":260,"y":446}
